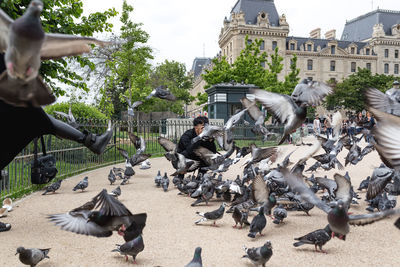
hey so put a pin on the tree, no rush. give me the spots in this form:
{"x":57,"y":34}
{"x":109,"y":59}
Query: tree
{"x":129,"y":67}
{"x":350,"y":93}
{"x":79,"y":110}
{"x":64,"y":16}
{"x":173,"y":75}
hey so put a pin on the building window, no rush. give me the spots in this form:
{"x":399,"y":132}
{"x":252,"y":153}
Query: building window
{"x":274,"y":44}
{"x":386,"y":68}
{"x":386,"y":52}
{"x":291,"y":46}
{"x":367,"y":51}
{"x":309,"y":47}
{"x":309,"y":64}
{"x":333,"y":65}
{"x":230,"y":46}
{"x":262,"y":45}
{"x":368,"y":66}
{"x":352,"y":50}
{"x":333,"y":49}
{"x":396,"y":68}
{"x":396,"y":53}
{"x":353,"y":67}
{"x":310,"y":78}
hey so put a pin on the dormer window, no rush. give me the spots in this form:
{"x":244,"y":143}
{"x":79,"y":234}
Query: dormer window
{"x":367,"y":51}
{"x":292,"y":46}
{"x":352,"y":50}
{"x":333,"y":49}
{"x":309,"y":47}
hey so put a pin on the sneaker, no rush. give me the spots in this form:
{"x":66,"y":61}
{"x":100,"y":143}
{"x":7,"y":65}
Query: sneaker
{"x":4,"y":227}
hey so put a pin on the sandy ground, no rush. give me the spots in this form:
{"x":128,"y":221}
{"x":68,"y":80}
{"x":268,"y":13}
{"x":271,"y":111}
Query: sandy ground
{"x":170,"y":235}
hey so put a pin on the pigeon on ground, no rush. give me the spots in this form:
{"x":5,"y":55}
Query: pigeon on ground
{"x":52,"y":188}
{"x":82,"y":185}
{"x":32,"y":256}
{"x":116,"y":192}
{"x":317,"y":238}
{"x":157,"y":179}
{"x":25,"y":45}
{"x":196,"y":261}
{"x":280,"y":213}
{"x":260,"y":255}
{"x":70,"y":117}
{"x":165,"y":182}
{"x":258,"y":223}
{"x":125,"y":180}
{"x":131,"y":248}
{"x":380,"y":177}
{"x":240,"y":217}
{"x":161,"y":93}
{"x":314,"y":167}
{"x":364,"y":184}
{"x":212,"y":215}
{"x":100,"y":223}
{"x":111,"y":177}
{"x":144,"y":165}
{"x":135,"y":229}
{"x":7,"y":204}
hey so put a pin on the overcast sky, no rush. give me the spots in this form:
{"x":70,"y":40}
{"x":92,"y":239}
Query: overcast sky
{"x":181,"y":30}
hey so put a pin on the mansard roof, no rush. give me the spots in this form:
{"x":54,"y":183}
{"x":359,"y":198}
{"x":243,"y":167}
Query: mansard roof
{"x":251,"y":9}
{"x":361,"y":28}
{"x":323,"y":43}
{"x":198,"y":64}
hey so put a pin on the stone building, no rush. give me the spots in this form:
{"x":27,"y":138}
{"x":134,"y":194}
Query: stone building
{"x":369,"y":41}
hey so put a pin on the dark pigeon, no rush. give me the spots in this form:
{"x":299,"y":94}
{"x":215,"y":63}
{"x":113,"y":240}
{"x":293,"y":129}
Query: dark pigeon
{"x":260,"y":255}
{"x":131,"y":248}
{"x":82,"y":185}
{"x":116,"y":192}
{"x":157,"y":179}
{"x":52,"y":188}
{"x":161,"y":93}
{"x":280,"y":213}
{"x":212,"y":215}
{"x":111,"y":177}
{"x":318,"y":238}
{"x":240,"y":217}
{"x":32,"y":256}
{"x":258,"y":223}
{"x":196,"y":261}
{"x":165,"y":182}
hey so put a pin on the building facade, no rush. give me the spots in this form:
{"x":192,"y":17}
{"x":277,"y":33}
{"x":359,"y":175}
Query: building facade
{"x":369,"y":41}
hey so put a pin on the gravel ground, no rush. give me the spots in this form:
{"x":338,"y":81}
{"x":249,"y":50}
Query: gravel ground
{"x":170,"y":235}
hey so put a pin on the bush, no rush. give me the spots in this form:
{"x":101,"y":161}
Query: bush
{"x":79,"y":110}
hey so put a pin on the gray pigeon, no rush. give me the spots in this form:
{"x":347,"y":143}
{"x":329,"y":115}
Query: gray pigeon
{"x":32,"y":256}
{"x":131,"y":107}
{"x":209,"y":132}
{"x":280,"y":213}
{"x":111,"y":177}
{"x":240,"y":217}
{"x":161,"y":93}
{"x":25,"y":45}
{"x":317,"y":238}
{"x":258,"y":223}
{"x":70,"y":117}
{"x":116,"y":192}
{"x":53,"y":187}
{"x":132,"y":248}
{"x":234,"y":120}
{"x":260,"y":255}
{"x":212,"y":215}
{"x":165,"y":182}
{"x":196,"y":261}
{"x":157,"y":179}
{"x":82,"y":185}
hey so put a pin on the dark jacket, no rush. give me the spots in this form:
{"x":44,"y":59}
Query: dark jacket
{"x":186,"y":148}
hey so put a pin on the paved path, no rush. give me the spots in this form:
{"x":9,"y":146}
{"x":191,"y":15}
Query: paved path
{"x":170,"y":235}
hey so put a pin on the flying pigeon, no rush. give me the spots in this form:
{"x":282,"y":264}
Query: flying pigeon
{"x":138,"y":142}
{"x":82,"y":185}
{"x":209,"y":132}
{"x":32,"y":256}
{"x":212,"y":215}
{"x":131,"y":248}
{"x":25,"y":45}
{"x":258,"y":223}
{"x":196,"y":261}
{"x":318,"y":238}
{"x":131,"y":107}
{"x":234,"y":120}
{"x":70,"y":117}
{"x":52,"y":188}
{"x":112,"y":214}
{"x":161,"y":93}
{"x":260,"y":255}
{"x":382,"y":102}
{"x":135,"y":229}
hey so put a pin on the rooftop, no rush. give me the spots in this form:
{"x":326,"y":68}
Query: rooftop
{"x":252,"y":8}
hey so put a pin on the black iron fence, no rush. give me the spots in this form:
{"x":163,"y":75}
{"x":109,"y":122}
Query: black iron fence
{"x":73,"y":158}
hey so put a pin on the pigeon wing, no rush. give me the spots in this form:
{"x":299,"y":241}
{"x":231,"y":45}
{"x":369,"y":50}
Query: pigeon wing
{"x":168,"y":145}
{"x":312,"y":93}
{"x":5,"y":22}
{"x":382,"y":102}
{"x":77,"y":222}
{"x":297,"y":185}
{"x":260,"y":190}
{"x":364,"y":219}
{"x":60,"y":45}
{"x":375,"y":187}
{"x":254,"y":112}
{"x":134,"y":139}
{"x":343,"y":188}
{"x":110,"y":206}
{"x":329,"y":184}
{"x":123,"y":152}
{"x":281,"y":106}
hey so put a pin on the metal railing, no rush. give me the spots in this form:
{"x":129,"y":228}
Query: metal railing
{"x":73,"y":158}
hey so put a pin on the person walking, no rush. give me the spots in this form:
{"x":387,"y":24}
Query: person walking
{"x":317,"y":126}
{"x":328,"y":126}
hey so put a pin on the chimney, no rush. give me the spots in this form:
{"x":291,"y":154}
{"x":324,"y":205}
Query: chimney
{"x":316,"y":33}
{"x":330,"y":35}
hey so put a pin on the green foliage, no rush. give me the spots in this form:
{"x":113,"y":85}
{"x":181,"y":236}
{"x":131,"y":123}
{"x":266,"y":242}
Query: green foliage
{"x":350,"y":92}
{"x":79,"y":110}
{"x":65,"y":17}
{"x":249,"y":68}
{"x":173,"y":75}
{"x":202,"y":98}
{"x":129,"y":66}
